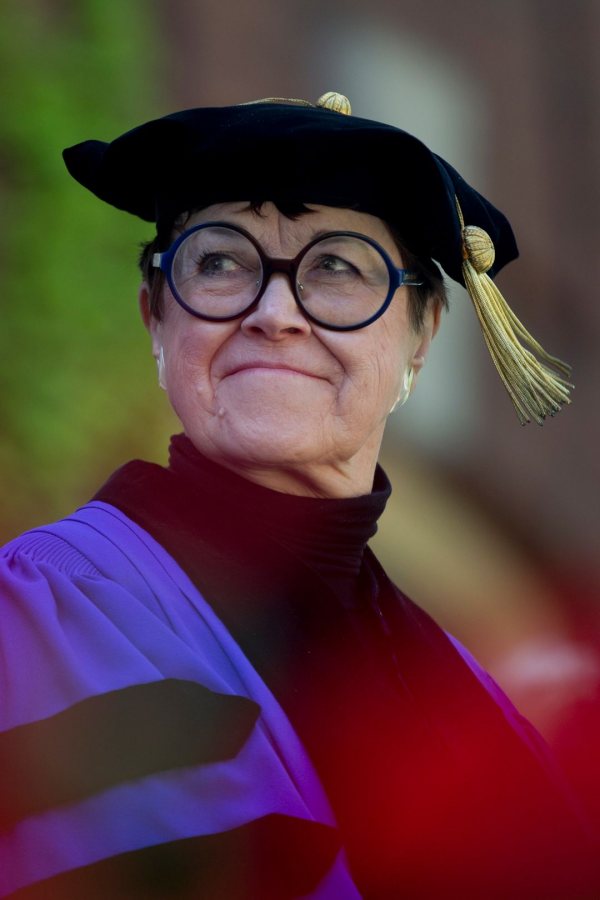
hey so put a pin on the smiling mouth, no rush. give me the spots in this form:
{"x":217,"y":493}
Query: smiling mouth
{"x":270,"y":367}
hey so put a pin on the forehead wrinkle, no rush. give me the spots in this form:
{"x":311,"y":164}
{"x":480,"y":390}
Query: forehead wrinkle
{"x":278,"y":234}
{"x":283,"y":237}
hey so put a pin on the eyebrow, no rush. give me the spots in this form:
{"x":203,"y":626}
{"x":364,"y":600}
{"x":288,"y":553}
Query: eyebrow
{"x":322,"y":232}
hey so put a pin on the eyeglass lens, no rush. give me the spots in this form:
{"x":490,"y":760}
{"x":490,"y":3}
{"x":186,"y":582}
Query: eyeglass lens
{"x":341,"y":280}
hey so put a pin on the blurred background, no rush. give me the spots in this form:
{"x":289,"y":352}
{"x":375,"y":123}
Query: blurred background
{"x":492,"y":527}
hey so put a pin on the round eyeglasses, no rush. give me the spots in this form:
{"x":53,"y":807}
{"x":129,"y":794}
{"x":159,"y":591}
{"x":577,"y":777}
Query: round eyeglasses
{"x":341,"y":280}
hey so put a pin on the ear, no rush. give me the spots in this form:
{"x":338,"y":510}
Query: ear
{"x":151,"y":323}
{"x":429,"y":330}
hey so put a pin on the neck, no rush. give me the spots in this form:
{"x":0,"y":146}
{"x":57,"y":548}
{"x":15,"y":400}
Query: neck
{"x":327,"y":480}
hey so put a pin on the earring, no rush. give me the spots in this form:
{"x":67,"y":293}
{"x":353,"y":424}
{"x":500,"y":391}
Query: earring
{"x":407,"y":380}
{"x":160,"y":362}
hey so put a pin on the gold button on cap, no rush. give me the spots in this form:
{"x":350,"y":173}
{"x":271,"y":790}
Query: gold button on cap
{"x":336,"y":102}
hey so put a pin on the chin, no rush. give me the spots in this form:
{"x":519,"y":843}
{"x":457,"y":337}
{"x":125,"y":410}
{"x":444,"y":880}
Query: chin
{"x":272,"y":448}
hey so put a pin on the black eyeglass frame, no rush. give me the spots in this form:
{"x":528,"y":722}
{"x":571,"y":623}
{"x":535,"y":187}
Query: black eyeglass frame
{"x":289,"y":267}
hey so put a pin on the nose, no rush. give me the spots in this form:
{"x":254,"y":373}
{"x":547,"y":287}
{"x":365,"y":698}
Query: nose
{"x":276,"y":315}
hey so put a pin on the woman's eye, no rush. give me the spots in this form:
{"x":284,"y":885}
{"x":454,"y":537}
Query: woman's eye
{"x":335,"y":265}
{"x":217,"y":264}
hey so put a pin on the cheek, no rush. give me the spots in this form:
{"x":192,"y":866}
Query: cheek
{"x":189,"y":351}
{"x":397,"y":346}
{"x":375,"y":372}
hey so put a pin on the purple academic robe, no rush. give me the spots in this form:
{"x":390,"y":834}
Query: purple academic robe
{"x":93,"y":606}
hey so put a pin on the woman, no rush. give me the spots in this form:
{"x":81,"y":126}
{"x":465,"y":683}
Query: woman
{"x":210,"y":687}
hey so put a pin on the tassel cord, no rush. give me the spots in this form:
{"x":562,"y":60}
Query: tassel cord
{"x":533,"y":388}
{"x":502,"y":332}
{"x":537,"y":385}
{"x":512,"y":323}
{"x":522,"y":374}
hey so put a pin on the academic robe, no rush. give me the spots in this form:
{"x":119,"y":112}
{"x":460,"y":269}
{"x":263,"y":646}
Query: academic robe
{"x":107,"y":648}
{"x":142,"y":754}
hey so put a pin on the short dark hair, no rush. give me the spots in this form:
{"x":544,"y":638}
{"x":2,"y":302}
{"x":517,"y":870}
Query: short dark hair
{"x":420,"y":297}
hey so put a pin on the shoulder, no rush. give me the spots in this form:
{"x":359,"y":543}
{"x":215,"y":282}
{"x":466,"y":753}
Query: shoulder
{"x":95,"y":549}
{"x":522,"y":726}
{"x":449,"y":679}
{"x":86,"y":544}
{"x":96,"y":530}
{"x":92,"y":603}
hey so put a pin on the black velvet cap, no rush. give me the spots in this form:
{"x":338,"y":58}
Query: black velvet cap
{"x":285,"y":151}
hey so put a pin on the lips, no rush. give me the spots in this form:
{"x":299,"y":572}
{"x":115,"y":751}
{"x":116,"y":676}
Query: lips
{"x":257,"y":365}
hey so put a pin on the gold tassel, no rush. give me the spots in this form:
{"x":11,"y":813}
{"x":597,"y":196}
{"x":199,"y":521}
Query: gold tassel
{"x":537,"y":387}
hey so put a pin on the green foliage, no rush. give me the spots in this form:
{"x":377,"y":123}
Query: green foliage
{"x":77,"y":390}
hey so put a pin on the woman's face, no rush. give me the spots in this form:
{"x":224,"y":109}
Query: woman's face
{"x":280,"y":400}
